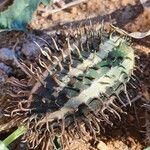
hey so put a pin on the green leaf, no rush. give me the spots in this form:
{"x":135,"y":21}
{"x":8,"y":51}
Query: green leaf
{"x":19,"y":14}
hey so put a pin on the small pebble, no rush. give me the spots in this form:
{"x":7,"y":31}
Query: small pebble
{"x":31,"y":50}
{"x":102,"y":146}
{"x":6,"y":55}
{"x":5,"y":68}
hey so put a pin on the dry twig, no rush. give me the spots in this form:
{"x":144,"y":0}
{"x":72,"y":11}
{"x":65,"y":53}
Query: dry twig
{"x":47,"y":12}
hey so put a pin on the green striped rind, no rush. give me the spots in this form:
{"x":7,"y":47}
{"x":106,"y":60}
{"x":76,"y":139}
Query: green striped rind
{"x":114,"y":62}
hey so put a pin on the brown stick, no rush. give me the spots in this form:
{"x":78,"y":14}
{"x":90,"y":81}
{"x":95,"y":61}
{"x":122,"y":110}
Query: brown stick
{"x":71,"y":4}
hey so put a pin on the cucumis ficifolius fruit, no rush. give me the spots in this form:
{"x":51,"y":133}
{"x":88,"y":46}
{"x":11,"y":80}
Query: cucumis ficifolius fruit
{"x":77,"y":75}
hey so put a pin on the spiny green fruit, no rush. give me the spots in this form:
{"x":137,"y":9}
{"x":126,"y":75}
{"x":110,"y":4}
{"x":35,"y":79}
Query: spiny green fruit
{"x":95,"y":80}
{"x":76,"y":76}
{"x":100,"y":76}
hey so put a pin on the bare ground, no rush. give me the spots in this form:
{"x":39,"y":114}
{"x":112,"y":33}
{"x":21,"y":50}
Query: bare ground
{"x":129,"y":133}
